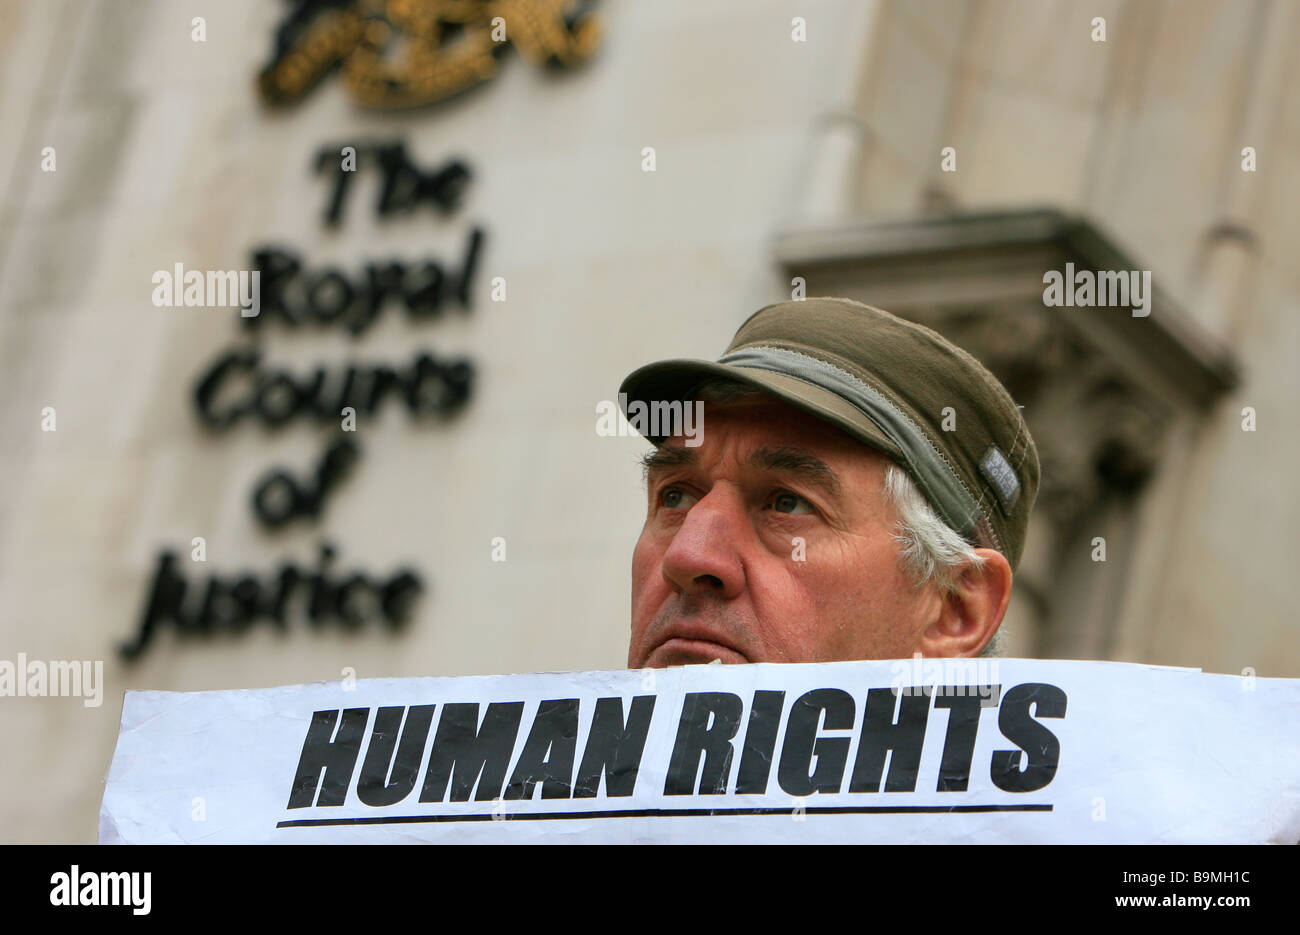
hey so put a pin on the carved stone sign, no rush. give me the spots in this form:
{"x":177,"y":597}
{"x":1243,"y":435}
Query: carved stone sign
{"x":239,"y":387}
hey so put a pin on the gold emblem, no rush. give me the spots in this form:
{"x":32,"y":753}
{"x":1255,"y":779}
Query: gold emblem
{"x":405,"y":53}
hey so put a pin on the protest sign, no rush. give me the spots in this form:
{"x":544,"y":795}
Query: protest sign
{"x":909,"y":751}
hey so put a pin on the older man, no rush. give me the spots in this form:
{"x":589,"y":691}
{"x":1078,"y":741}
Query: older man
{"x":860,"y":489}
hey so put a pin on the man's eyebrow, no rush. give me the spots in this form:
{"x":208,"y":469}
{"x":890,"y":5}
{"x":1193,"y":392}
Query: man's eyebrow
{"x":794,"y":461}
{"x":799,"y":463}
{"x":661,"y":459}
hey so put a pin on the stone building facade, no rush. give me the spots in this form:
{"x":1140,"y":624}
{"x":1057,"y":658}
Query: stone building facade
{"x":597,"y":191}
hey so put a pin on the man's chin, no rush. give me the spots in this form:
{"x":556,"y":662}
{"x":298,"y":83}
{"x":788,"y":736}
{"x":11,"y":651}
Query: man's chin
{"x":683,"y":652}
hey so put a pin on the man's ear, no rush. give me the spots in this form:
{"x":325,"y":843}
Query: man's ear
{"x":968,"y":618}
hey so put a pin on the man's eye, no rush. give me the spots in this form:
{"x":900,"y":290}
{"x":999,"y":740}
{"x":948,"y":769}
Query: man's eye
{"x":785,"y":502}
{"x":674,"y":498}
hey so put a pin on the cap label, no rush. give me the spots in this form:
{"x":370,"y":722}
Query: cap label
{"x":998,"y":471}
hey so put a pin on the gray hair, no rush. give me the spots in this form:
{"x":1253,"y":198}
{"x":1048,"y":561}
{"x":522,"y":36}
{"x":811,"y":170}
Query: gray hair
{"x":930,"y":551}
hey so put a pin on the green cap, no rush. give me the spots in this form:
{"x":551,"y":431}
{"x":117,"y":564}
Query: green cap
{"x":892,"y":384}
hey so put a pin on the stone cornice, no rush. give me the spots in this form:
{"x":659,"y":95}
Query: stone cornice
{"x":998,"y":259}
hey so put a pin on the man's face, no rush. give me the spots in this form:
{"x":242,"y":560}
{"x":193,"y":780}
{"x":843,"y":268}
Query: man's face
{"x":771,"y":541}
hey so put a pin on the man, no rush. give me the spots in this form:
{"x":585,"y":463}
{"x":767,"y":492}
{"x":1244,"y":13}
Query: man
{"x":859,"y":489}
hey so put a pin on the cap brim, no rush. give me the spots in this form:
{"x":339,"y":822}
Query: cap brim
{"x":670,"y":380}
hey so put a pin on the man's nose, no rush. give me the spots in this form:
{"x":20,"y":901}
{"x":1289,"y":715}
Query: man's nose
{"x":704,"y":556}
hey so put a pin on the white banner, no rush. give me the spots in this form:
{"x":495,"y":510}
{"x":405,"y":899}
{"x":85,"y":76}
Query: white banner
{"x":915,"y":751}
